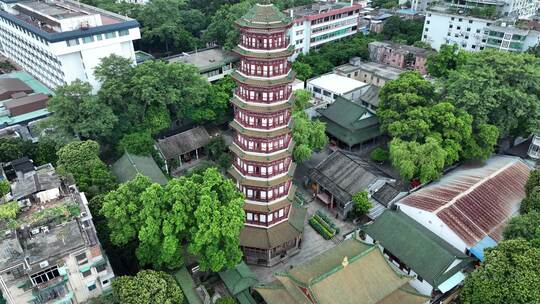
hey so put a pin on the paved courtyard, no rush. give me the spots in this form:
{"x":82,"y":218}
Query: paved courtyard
{"x":313,"y":244}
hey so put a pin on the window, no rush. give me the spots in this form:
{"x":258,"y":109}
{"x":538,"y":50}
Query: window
{"x":81,"y":258}
{"x":281,"y":213}
{"x":101,"y":267}
{"x":460,"y":19}
{"x":458,"y":28}
{"x":91,"y":285}
{"x":263,"y":218}
{"x":45,"y":275}
{"x":99,"y":37}
{"x":470,"y":21}
{"x":249,"y":216}
{"x":110,"y":35}
{"x":468,"y":29}
{"x":86,"y":273}
{"x":478,"y":31}
{"x":72,"y":42}
{"x":451,"y":26}
{"x":316,"y":90}
{"x":88,"y":39}
{"x":427,"y":22}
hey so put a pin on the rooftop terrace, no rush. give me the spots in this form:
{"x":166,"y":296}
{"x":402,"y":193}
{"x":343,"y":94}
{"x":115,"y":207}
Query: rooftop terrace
{"x":205,"y":60}
{"x":318,"y":8}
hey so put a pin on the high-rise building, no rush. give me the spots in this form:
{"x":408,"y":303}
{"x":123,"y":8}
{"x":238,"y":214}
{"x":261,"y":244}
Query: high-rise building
{"x":60,"y":41}
{"x":263,"y":166}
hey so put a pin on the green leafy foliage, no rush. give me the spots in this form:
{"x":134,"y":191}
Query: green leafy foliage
{"x":218,"y":151}
{"x":525,"y":226}
{"x":333,"y":54}
{"x":140,"y":143}
{"x":449,"y":58}
{"x":80,"y":159}
{"x":385,"y":3}
{"x":379,"y":155}
{"x":509,"y":274}
{"x":4,"y":187}
{"x":303,"y":70}
{"x":42,"y":152}
{"x":308,"y":135}
{"x":77,"y":111}
{"x":531,"y":201}
{"x":222,"y":28}
{"x":400,"y":30}
{"x":9,"y":210}
{"x":147,"y":287}
{"x":361,"y":202}
{"x":226,"y":300}
{"x":202,"y":210}
{"x":500,"y":89}
{"x":533,"y":181}
{"x":428,"y":134}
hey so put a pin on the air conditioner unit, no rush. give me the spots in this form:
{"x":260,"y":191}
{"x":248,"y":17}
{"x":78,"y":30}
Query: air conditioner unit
{"x":44,"y":264}
{"x":34,"y":231}
{"x":84,"y":214}
{"x":44,"y":229}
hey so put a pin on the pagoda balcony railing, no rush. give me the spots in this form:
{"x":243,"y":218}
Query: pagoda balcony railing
{"x":257,"y":172}
{"x":266,"y":73}
{"x":258,"y":98}
{"x":257,"y":147}
{"x":258,"y":124}
{"x":258,"y":45}
{"x":276,"y":195}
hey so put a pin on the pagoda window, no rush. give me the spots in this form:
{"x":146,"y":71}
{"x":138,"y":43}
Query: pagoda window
{"x":238,"y":161}
{"x":263,"y":218}
{"x":250,"y":169}
{"x":250,"y":144}
{"x":270,"y":217}
{"x":249,"y":216}
{"x":263,"y":170}
{"x":255,"y":217}
{"x":270,"y":170}
{"x":265,"y":41}
{"x":281,"y":189}
{"x":281,"y":213}
{"x":281,"y":118}
{"x":249,"y":193}
{"x":251,"y":95}
{"x":270,"y":194}
{"x":271,"y":70}
{"x":263,"y":194}
{"x":264,"y":122}
{"x":270,"y":121}
{"x":280,"y":166}
{"x":281,"y":142}
{"x":265,"y":96}
{"x":263,"y":146}
{"x":251,"y":120}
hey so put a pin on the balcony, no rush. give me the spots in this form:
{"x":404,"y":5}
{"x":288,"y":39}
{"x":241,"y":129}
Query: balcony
{"x":261,"y":72}
{"x":263,"y":170}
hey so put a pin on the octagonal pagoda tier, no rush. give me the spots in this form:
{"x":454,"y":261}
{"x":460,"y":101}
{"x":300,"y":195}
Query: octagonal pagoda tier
{"x":263,"y":167}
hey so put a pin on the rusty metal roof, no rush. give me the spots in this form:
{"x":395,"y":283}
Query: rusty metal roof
{"x":476,"y":200}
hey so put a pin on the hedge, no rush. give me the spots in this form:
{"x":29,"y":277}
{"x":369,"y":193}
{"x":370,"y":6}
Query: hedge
{"x":325,"y":218}
{"x":320,"y":229}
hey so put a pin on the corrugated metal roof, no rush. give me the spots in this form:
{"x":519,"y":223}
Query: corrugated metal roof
{"x":476,"y":200}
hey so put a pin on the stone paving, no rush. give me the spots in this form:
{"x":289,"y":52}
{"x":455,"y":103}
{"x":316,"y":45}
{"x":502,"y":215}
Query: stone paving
{"x":313,"y":244}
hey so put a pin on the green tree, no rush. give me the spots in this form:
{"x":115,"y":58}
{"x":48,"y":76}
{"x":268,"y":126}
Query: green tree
{"x":535,"y":50}
{"x":402,"y":30}
{"x":500,"y":89}
{"x":533,"y":181}
{"x":147,"y":287}
{"x":77,"y":111}
{"x":140,"y":143}
{"x":301,"y":100}
{"x":222,"y":28}
{"x":532,"y":201}
{"x":361,"y":202}
{"x":379,"y":155}
{"x":509,"y":274}
{"x":202,"y":210}
{"x":9,"y":210}
{"x":4,"y":187}
{"x":450,"y":57}
{"x":308,"y":135}
{"x":525,"y":226}
{"x":42,"y":152}
{"x":303,"y":70}
{"x":428,"y":134}
{"x":80,"y":160}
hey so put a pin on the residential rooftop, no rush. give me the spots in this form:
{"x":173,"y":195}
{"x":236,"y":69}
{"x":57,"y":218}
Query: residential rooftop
{"x":318,"y":8}
{"x":381,"y":70}
{"x":207,"y":59}
{"x":402,"y":48}
{"x":336,"y":83}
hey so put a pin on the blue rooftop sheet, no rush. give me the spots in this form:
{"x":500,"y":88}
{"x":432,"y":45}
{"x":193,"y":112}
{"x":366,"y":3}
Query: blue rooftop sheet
{"x":478,"y":249}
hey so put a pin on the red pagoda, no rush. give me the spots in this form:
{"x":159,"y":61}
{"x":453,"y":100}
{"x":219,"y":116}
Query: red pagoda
{"x":263,"y":167}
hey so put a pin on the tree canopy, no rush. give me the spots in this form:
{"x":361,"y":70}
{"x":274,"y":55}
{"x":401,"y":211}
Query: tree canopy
{"x":400,"y":30}
{"x":498,"y":88}
{"x":80,"y":159}
{"x":77,"y":111}
{"x":41,"y":152}
{"x":202,"y":210}
{"x":147,"y":287}
{"x":525,"y":226}
{"x":448,"y":58}
{"x":308,"y":135}
{"x":427,"y":133}
{"x":509,"y":274}
{"x":361,"y":202}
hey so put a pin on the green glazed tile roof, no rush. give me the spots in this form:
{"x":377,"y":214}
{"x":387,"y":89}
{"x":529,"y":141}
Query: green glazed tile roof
{"x":187,"y":284}
{"x":264,"y":82}
{"x":417,"y":247}
{"x":265,"y":55}
{"x":350,"y":122}
{"x":129,"y":165}
{"x":238,"y":279}
{"x":264,"y":16}
{"x":366,"y":278}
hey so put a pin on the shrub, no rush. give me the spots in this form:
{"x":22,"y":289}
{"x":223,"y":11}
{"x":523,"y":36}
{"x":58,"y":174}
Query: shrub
{"x":320,"y":229}
{"x":9,"y":210}
{"x":379,"y":155}
{"x":328,"y":221}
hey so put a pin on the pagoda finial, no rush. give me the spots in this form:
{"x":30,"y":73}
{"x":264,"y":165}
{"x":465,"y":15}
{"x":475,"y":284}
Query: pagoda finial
{"x":345,"y":262}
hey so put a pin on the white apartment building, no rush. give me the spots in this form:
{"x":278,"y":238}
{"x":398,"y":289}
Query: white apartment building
{"x":319,"y":23}
{"x":63,"y":40}
{"x":462,"y":23}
